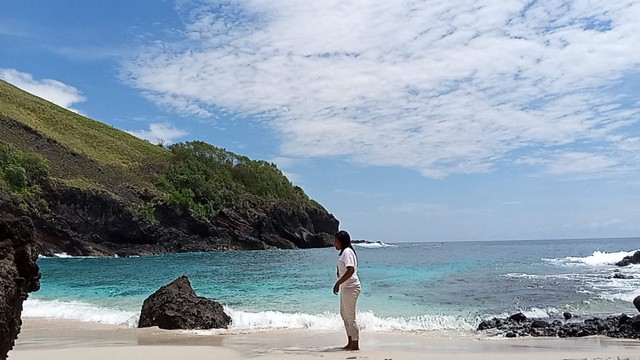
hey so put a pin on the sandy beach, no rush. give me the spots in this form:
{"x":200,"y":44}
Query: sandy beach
{"x":70,"y":340}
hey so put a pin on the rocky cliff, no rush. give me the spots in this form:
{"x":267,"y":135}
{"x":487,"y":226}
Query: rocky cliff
{"x":83,"y":222}
{"x":19,"y":275}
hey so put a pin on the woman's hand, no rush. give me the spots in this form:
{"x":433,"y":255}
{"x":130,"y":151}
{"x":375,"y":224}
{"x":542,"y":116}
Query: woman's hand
{"x":336,"y":288}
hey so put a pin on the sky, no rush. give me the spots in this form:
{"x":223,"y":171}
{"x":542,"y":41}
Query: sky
{"x":408,"y":120}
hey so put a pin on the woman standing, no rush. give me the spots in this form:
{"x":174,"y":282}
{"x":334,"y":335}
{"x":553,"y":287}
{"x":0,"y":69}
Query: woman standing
{"x":348,"y":285}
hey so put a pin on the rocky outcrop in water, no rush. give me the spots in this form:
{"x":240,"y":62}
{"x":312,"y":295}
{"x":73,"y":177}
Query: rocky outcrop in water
{"x":620,"y":326}
{"x":176,"y":306}
{"x":628,"y":260}
{"x":19,"y":275}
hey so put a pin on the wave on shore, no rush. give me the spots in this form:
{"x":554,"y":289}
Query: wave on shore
{"x":253,"y":321}
{"x":75,"y":310}
{"x":598,"y":258}
{"x":328,"y":321}
{"x":374,"y":245}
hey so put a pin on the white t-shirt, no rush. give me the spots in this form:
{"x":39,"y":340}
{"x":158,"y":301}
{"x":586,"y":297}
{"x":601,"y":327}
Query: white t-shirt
{"x":348,"y":258}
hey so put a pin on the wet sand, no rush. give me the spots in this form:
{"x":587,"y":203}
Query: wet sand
{"x":71,"y":340}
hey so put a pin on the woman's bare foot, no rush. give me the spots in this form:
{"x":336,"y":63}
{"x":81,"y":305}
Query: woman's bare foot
{"x":348,"y":346}
{"x":354,"y":346}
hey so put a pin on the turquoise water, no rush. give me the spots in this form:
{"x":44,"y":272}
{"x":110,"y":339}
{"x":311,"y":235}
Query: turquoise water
{"x":406,"y":287}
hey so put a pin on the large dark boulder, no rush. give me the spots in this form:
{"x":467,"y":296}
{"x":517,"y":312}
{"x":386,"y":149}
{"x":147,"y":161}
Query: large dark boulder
{"x":176,"y":306}
{"x":628,"y":260}
{"x":19,"y":275}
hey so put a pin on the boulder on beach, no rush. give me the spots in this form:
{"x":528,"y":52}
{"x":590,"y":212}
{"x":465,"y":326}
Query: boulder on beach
{"x":19,"y":275}
{"x":628,"y":260}
{"x":176,"y":306}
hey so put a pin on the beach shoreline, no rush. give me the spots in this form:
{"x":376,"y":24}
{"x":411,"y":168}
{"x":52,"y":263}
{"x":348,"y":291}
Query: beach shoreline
{"x":68,"y":339}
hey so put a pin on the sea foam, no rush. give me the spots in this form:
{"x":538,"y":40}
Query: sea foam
{"x":253,"y":321}
{"x":64,"y":255}
{"x":81,"y":311}
{"x":367,"y":320}
{"x":598,"y":258}
{"x":374,"y":245}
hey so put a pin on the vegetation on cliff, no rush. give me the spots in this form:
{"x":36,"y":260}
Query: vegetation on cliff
{"x":21,"y":172}
{"x":206,"y":179}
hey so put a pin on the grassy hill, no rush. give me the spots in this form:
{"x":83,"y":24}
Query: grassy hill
{"x":78,"y":150}
{"x":87,"y":153}
{"x":46,"y":152}
{"x":97,"y":141}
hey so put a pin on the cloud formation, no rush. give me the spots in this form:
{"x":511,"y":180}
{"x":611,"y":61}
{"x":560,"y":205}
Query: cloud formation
{"x":160,"y":133}
{"x":443,"y":87}
{"x":55,"y":91}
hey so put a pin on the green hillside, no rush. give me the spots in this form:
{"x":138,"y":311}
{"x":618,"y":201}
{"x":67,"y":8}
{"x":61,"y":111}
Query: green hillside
{"x":85,"y":153}
{"x":102,"y":143}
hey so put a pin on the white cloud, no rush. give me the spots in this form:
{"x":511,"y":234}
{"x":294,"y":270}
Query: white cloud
{"x":443,"y":87}
{"x":572,"y":163}
{"x":160,"y":133}
{"x":55,"y":91}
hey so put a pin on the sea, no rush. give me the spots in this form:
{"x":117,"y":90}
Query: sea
{"x":406,"y":287}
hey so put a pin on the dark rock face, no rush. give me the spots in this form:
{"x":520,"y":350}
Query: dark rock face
{"x":95,"y":223}
{"x":628,"y":260}
{"x":19,"y":275}
{"x":621,"y":326}
{"x":176,"y":306}
{"x":518,"y":317}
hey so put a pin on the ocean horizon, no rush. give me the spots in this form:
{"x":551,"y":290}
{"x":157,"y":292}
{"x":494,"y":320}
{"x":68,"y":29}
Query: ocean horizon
{"x":407,"y":287}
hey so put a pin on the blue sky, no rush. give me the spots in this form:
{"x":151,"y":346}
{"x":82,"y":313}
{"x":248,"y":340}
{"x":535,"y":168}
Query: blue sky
{"x":434,"y":121}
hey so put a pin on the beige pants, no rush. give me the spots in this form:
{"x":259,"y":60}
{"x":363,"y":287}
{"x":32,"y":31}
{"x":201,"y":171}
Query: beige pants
{"x":348,"y":298}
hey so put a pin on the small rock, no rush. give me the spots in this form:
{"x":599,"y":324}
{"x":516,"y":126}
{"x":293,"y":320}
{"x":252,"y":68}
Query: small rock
{"x":487,"y":324}
{"x":539,"y":324}
{"x":511,"y":335}
{"x":519,"y":317}
{"x":622,"y":276}
{"x":567,"y":315}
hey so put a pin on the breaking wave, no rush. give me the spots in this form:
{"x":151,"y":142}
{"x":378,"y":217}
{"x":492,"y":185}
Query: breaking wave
{"x":598,"y":258}
{"x":374,"y":245}
{"x":252,"y":321}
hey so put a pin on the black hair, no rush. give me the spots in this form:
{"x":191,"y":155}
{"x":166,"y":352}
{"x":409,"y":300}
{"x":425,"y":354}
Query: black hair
{"x":345,"y":240}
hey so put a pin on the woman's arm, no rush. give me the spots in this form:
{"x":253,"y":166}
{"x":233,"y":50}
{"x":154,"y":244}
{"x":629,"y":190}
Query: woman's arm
{"x":345,"y":277}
